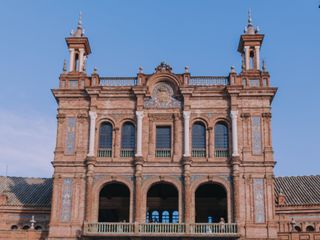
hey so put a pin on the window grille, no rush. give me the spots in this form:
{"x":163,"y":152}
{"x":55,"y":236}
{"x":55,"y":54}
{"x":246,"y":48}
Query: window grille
{"x":128,"y":137}
{"x":163,"y":141}
{"x":198,"y":140}
{"x":105,"y":140}
{"x":221,"y":140}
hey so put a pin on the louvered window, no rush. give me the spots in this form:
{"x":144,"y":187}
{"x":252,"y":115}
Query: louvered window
{"x":198,"y":140}
{"x":128,"y":137}
{"x":105,"y":140}
{"x":163,"y":141}
{"x":221,"y":140}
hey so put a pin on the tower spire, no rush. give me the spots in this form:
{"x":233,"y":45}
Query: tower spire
{"x":80,"y":31}
{"x":250,"y":29}
{"x":249,"y":17}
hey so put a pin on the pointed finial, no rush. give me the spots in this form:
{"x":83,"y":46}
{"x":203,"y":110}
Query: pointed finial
{"x":186,"y":69}
{"x":140,"y":69}
{"x":64,"y":69}
{"x":233,"y":70}
{"x":95,"y":70}
{"x":264,"y":66}
{"x":249,"y":17}
{"x":80,"y":20}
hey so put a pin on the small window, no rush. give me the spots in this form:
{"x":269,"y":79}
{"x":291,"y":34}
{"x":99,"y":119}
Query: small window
{"x":244,"y":82}
{"x":163,"y":141}
{"x":38,"y":228}
{"x":73,"y":84}
{"x":175,"y":217}
{"x":297,"y":228}
{"x":254,"y":83}
{"x":265,"y":82}
{"x":147,"y":217}
{"x":105,"y":140}
{"x":155,"y":216}
{"x":14,"y":227}
{"x":310,"y":228}
{"x":165,"y":217}
{"x":26,"y":227}
{"x":210,"y":219}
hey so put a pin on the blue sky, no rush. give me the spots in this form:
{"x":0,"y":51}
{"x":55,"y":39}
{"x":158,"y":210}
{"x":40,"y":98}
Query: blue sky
{"x":125,"y":34}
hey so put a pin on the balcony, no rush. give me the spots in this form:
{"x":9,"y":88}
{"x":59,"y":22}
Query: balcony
{"x":105,"y":152}
{"x":162,"y":229}
{"x":163,"y":152}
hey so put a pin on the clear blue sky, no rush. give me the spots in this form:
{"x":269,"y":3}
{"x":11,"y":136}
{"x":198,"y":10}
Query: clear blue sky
{"x":126,"y":34}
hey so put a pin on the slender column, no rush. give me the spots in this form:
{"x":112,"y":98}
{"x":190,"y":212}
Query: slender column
{"x":139,"y":115}
{"x":186,"y":116}
{"x":247,"y":56}
{"x":93,"y":117}
{"x":71,"y":65}
{"x":177,"y":138}
{"x":234,"y":119}
{"x":257,"y":55}
{"x":211,"y":142}
{"x":138,"y":181}
{"x":81,"y":59}
{"x":116,"y":142}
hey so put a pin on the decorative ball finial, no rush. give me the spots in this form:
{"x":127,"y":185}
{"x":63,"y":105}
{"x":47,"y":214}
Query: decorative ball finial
{"x":95,"y":70}
{"x":264,"y":66}
{"x":186,"y":69}
{"x":140,"y":69}
{"x":233,"y":70}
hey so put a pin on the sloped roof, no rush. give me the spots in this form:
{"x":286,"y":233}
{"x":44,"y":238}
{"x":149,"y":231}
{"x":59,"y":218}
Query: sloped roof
{"x":300,"y":190}
{"x":27,"y":192}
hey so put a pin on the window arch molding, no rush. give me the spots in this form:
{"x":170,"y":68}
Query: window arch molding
{"x":98,"y":138}
{"x":127,"y":144}
{"x":199,"y":143}
{"x":226,"y":123}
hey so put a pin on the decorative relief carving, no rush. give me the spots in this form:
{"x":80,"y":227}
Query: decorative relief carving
{"x":163,"y":67}
{"x":245,"y":115}
{"x":66,"y":200}
{"x":266,"y":115}
{"x":162,"y":97}
{"x":258,"y":191}
{"x":256,"y":135}
{"x":71,"y":135}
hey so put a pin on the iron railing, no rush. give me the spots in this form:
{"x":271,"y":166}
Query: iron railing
{"x":118,"y":81}
{"x":208,"y":80}
{"x":197,"y":152}
{"x":127,"y":153}
{"x":105,"y":152}
{"x":221,"y":153}
{"x":163,"y":153}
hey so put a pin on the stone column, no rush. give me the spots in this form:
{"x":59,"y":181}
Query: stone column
{"x":72,"y":59}
{"x":89,"y":192}
{"x":117,"y":143}
{"x":81,"y":60}
{"x":138,"y":182}
{"x":93,"y":117}
{"x":257,"y":55}
{"x":186,"y":117}
{"x":247,"y":57}
{"x":177,"y":138}
{"x":210,"y":142}
{"x":139,"y":115}
{"x":234,"y":119}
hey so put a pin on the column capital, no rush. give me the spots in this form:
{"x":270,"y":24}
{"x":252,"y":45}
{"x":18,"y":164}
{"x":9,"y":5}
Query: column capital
{"x":233,"y":113}
{"x":92,"y":114}
{"x":186,"y":114}
{"x":139,"y":114}
{"x":81,"y":50}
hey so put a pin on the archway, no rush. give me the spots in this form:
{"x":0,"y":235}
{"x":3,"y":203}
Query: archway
{"x":114,"y":203}
{"x":210,"y":203}
{"x":162,"y":203}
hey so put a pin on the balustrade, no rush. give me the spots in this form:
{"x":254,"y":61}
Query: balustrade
{"x":199,"y":153}
{"x":105,"y":152}
{"x":127,"y":153}
{"x":118,"y":81}
{"x":163,"y":153}
{"x":208,"y":80}
{"x":221,"y":153}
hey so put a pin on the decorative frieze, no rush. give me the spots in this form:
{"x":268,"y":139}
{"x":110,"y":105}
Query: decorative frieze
{"x":71,"y":135}
{"x":256,"y":135}
{"x":66,"y":205}
{"x":258,"y":193}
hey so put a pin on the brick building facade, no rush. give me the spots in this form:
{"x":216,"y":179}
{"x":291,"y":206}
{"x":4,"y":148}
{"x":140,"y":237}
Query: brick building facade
{"x":162,"y":155}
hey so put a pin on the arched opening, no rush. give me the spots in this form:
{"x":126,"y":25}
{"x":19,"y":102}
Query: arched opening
{"x":198,"y":140}
{"x":162,"y":203}
{"x":114,"y":203}
{"x":297,"y":228}
{"x":14,"y":227}
{"x":211,"y":203}
{"x":26,"y":227}
{"x":310,"y":228}
{"x":38,"y":228}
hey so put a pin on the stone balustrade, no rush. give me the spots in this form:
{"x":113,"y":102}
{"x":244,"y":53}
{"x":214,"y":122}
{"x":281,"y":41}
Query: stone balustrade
{"x":159,"y":229}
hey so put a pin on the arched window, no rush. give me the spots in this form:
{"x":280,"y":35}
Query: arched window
{"x":26,"y":227}
{"x":175,"y":217}
{"x":128,"y":137}
{"x":105,"y":140}
{"x":310,"y":228}
{"x":198,"y":140}
{"x":14,"y":227}
{"x":38,"y":228}
{"x":297,"y":228}
{"x":165,"y":217}
{"x":155,"y":216}
{"x":221,"y":140}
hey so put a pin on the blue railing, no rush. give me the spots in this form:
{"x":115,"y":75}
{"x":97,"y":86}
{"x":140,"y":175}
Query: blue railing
{"x":118,"y":81}
{"x":208,"y":80}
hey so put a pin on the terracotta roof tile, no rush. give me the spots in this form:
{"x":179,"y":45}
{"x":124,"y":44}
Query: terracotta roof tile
{"x":300,"y":190}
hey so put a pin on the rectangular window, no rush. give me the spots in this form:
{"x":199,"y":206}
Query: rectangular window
{"x":254,"y":83}
{"x":163,"y":141}
{"x":265,"y":82}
